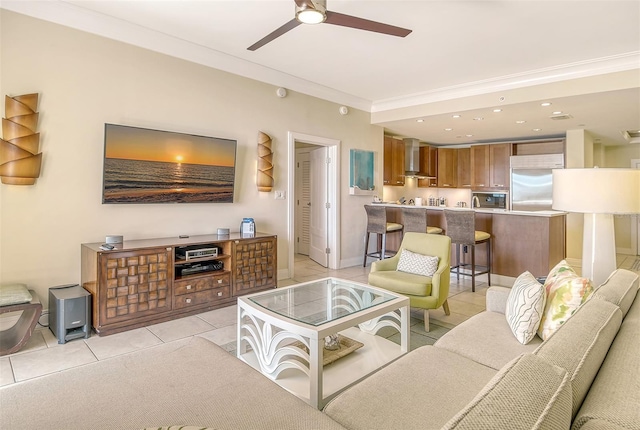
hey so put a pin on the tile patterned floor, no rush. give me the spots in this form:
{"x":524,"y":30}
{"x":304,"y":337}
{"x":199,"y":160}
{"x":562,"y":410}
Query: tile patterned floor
{"x":43,"y":355}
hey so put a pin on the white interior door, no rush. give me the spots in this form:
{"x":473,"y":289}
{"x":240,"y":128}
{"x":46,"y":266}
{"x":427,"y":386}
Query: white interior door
{"x":319,"y":207}
{"x":303,"y":201}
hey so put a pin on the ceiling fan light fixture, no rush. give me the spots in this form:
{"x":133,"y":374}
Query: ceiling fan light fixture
{"x":310,"y":16}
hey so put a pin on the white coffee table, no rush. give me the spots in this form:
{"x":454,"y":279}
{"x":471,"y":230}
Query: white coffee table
{"x":281,"y":325}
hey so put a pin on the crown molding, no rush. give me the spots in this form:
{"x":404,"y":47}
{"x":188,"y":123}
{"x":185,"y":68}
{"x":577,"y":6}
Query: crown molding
{"x":564,"y":72}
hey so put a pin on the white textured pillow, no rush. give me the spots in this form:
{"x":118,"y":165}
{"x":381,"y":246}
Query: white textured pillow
{"x":525,"y":306}
{"x":418,"y":264}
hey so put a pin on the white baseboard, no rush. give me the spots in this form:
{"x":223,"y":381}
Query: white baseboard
{"x":350,"y":262}
{"x":283,"y":274}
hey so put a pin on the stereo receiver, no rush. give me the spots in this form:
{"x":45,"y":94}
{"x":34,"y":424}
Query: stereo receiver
{"x":189,"y":253}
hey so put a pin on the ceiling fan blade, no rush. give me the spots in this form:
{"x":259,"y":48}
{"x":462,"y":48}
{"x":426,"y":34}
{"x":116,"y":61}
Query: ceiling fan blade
{"x":274,"y":34}
{"x":343,"y":20}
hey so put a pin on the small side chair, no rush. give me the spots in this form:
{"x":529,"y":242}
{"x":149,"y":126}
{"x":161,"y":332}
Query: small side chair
{"x":424,"y":292}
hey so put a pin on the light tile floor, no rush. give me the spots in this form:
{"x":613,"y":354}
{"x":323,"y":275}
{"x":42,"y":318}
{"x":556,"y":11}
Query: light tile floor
{"x":43,"y":355}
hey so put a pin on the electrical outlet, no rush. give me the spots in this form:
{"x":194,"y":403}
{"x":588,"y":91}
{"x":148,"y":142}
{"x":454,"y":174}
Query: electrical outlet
{"x":280,"y":195}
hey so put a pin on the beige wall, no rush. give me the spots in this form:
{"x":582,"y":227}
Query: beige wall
{"x":85,"y":81}
{"x":625,"y":226}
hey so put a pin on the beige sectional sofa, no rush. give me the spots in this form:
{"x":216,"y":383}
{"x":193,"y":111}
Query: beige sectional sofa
{"x":585,"y":376}
{"x":478,"y":376}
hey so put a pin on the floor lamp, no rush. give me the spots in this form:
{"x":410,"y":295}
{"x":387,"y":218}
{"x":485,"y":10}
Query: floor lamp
{"x":598,"y":193}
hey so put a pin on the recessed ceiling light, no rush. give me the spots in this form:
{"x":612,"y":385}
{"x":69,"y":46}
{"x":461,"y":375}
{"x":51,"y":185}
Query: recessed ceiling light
{"x":520,"y":122}
{"x":469,"y":135}
{"x":448,"y":129}
{"x":558,"y":112}
{"x":545,"y":104}
{"x":478,"y":118}
{"x":536,"y":129}
{"x":419,"y":120}
{"x":456,"y":116}
{"x":497,"y":110}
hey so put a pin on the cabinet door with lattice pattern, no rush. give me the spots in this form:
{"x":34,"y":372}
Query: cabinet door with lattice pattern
{"x":255,"y":265}
{"x":137,"y":283}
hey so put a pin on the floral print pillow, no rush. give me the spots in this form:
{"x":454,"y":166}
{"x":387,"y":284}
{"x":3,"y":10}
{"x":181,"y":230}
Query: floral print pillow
{"x":565,"y":293}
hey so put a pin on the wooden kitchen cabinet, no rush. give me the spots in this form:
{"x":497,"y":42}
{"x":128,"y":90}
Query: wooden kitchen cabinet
{"x":447,"y":168}
{"x":490,"y":166}
{"x":428,"y":167}
{"x":464,"y":167}
{"x":144,"y":282}
{"x":480,"y":166}
{"x":393,"y":162}
{"x":499,"y":157}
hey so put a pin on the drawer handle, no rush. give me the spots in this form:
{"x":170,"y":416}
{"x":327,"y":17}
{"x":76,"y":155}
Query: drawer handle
{"x":219,"y":293}
{"x":188,"y":287}
{"x":219,"y":281}
{"x":188,"y":300}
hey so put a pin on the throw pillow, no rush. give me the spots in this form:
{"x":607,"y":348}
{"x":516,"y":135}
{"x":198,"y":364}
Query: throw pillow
{"x":566,"y":292}
{"x":418,"y":264}
{"x":524,"y":307}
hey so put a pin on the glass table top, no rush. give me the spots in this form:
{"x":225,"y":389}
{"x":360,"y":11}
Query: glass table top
{"x":321,"y":301}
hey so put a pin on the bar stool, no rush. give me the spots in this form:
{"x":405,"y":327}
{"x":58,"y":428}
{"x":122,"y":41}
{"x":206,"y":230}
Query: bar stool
{"x":377,"y":223}
{"x":415,"y":219}
{"x":462,"y":231}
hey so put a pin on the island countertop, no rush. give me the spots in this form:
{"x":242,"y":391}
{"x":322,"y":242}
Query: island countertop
{"x":547,"y":213}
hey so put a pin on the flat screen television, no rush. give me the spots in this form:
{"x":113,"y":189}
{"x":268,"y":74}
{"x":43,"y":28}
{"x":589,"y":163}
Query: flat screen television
{"x":155,"y":166}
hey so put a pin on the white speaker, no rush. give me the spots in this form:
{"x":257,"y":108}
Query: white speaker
{"x":114,"y":238}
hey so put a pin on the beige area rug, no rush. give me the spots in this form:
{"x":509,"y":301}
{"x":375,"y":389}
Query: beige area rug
{"x":187,"y":382}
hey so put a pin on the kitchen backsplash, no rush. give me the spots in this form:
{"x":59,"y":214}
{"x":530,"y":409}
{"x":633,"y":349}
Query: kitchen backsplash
{"x":411,"y":191}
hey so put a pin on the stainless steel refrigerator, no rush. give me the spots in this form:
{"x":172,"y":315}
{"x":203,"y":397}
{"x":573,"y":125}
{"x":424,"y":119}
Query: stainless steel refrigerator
{"x":531,"y":181}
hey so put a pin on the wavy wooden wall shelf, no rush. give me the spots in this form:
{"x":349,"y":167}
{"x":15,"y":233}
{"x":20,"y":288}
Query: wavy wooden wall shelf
{"x":264,"y":179}
{"x":19,"y":161}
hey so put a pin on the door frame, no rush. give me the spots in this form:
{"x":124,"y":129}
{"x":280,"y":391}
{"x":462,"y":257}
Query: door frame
{"x":333,"y":189}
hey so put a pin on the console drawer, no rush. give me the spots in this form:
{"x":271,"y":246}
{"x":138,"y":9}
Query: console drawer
{"x":202,"y":297}
{"x":188,"y":286}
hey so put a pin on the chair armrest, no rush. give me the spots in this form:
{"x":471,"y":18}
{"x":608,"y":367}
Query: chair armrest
{"x":497,"y":299}
{"x":385,"y":265}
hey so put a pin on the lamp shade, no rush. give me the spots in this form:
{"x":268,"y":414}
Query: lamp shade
{"x":597,"y":190}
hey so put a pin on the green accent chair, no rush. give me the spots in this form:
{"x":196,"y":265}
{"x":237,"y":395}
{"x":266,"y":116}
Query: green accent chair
{"x":424,"y":292}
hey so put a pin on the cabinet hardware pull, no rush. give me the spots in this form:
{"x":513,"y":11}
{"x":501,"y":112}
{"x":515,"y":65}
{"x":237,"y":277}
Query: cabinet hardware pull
{"x":188,"y":300}
{"x":219,"y":293}
{"x":188,"y":287}
{"x":219,"y":281}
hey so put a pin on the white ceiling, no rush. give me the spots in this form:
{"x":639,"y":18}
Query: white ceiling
{"x":582,"y":56}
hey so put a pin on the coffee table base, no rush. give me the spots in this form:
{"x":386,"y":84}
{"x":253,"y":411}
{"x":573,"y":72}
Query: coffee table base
{"x":376,"y":353}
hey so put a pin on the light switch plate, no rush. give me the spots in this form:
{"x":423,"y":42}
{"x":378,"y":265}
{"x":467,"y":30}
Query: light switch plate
{"x":280,"y":195}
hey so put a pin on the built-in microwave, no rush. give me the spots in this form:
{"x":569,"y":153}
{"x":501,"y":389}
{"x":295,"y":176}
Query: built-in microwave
{"x":489,"y":200}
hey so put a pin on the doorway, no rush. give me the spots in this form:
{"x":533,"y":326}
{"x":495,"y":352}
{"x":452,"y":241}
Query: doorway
{"x":327,"y":218}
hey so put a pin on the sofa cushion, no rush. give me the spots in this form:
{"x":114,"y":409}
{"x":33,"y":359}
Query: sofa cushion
{"x":401,"y":282}
{"x":524,"y":307}
{"x":186,"y":382}
{"x":14,"y":294}
{"x":566,"y":292}
{"x":422,"y":390}
{"x":528,"y":393}
{"x":412,"y":262}
{"x":486,"y":339}
{"x":614,"y":396}
{"x":620,"y":289}
{"x":581,"y":345}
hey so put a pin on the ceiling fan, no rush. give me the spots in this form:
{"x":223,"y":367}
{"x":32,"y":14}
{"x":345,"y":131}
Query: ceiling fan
{"x":315,"y":12}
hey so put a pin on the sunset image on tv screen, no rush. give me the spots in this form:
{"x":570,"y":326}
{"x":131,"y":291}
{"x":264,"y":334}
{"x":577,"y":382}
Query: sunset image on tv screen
{"x":153,"y":166}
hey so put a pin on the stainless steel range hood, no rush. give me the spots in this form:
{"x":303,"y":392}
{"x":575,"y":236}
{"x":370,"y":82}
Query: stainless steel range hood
{"x":412,"y":159}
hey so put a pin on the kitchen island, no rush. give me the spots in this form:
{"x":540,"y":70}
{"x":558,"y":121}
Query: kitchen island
{"x":520,"y":240}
